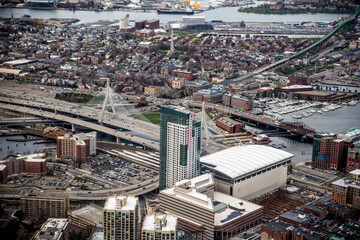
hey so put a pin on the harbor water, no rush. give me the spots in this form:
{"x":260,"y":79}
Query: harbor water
{"x":227,"y":14}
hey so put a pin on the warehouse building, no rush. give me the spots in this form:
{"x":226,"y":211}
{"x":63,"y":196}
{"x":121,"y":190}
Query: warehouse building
{"x":249,"y":171}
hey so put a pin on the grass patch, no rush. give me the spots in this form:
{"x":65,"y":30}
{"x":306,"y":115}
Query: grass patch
{"x":328,"y":67}
{"x":164,"y":52}
{"x":149,"y":117}
{"x":178,"y":32}
{"x":310,"y":39}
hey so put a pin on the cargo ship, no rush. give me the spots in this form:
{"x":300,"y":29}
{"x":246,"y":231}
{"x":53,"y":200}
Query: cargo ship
{"x":40,"y":4}
{"x":164,"y":11}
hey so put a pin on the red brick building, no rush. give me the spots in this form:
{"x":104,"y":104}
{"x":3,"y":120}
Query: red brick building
{"x":328,"y":152}
{"x":230,"y":125}
{"x":261,"y":139}
{"x":205,"y":95}
{"x":152,"y":24}
{"x":226,"y":98}
{"x":241,"y":103}
{"x":298,"y":79}
{"x":77,"y":146}
{"x":276,"y":231}
{"x":183,"y":74}
{"x":34,"y":164}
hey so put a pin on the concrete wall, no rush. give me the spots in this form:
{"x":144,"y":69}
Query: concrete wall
{"x":255,"y":186}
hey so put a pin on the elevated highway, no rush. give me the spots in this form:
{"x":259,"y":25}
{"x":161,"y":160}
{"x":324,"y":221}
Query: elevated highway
{"x":123,"y":135}
{"x":53,"y":105}
{"x":337,"y":28}
{"x":137,"y":190}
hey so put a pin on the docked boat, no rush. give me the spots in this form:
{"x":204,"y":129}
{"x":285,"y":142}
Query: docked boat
{"x":297,"y":116}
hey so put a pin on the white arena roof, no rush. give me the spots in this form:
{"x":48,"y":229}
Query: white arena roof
{"x":240,"y":160}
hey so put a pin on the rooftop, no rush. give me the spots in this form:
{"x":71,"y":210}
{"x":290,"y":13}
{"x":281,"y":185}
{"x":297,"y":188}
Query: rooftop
{"x":186,"y":190}
{"x":90,"y":212}
{"x":235,"y":208}
{"x":120,"y":202}
{"x":237,"y":161}
{"x":52,"y":229}
{"x":160,"y":222}
{"x":347,"y":183}
{"x":36,"y":157}
{"x":278,"y":227}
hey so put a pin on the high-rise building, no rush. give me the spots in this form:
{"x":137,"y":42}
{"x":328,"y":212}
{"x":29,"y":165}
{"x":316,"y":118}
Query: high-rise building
{"x":44,"y":206}
{"x":121,"y":218}
{"x":159,"y":226}
{"x":54,"y":229}
{"x":180,"y":145}
{"x":327,"y":151}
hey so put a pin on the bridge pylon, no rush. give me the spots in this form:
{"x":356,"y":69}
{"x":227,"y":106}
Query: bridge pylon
{"x":107,"y":98}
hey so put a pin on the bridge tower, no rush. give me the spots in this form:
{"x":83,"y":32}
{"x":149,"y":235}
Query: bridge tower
{"x":172,"y":40}
{"x":107,"y":98}
{"x":204,"y":127}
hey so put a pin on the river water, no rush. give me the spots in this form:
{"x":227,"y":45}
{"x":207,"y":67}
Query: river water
{"x":227,"y":14}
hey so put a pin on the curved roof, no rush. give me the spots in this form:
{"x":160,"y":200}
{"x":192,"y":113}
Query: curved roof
{"x":237,"y":161}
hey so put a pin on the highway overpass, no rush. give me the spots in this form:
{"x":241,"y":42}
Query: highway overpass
{"x":97,"y":127}
{"x":53,"y":105}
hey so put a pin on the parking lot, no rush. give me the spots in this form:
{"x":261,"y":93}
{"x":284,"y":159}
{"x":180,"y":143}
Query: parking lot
{"x":119,"y":170}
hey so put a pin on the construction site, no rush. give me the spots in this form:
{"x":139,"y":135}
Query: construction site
{"x":281,"y":201}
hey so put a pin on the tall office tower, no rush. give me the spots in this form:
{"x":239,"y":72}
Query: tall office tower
{"x":121,"y":218}
{"x":180,"y":145}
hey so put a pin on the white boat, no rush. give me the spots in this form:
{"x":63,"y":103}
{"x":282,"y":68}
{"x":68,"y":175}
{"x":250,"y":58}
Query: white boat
{"x":352,"y":103}
{"x":297,"y":116}
{"x":321,"y":112}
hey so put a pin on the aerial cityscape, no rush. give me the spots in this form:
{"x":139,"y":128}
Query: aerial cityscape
{"x":180,"y":119}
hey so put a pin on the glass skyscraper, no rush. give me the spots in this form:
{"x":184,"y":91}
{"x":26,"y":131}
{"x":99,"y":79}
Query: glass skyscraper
{"x":180,"y":145}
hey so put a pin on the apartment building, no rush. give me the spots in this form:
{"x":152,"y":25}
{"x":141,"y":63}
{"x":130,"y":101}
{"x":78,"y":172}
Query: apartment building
{"x":121,"y":218}
{"x":44,"y":206}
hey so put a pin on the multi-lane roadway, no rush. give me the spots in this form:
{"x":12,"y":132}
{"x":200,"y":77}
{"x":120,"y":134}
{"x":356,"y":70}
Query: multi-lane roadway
{"x":116,"y":121}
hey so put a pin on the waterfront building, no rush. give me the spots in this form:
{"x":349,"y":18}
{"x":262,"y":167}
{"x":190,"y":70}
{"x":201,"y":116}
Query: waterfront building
{"x":180,"y":145}
{"x":159,"y":226}
{"x":208,"y":214}
{"x":347,"y":191}
{"x":44,"y":205}
{"x":237,"y":102}
{"x":54,"y":229}
{"x":230,"y":125}
{"x":33,"y":165}
{"x":248,"y":171}
{"x":79,"y":146}
{"x":121,"y":218}
{"x":322,"y":150}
